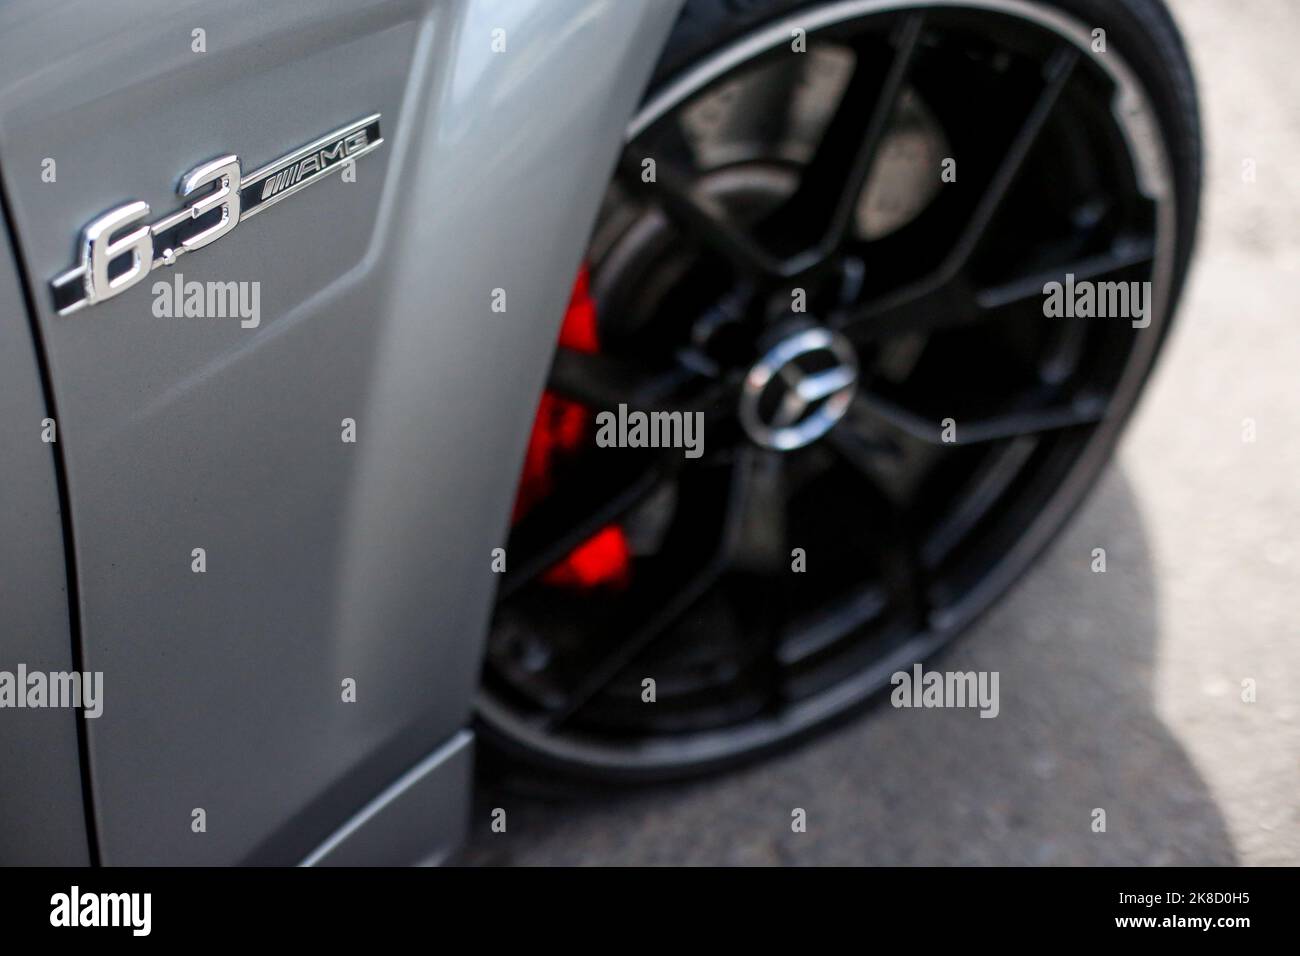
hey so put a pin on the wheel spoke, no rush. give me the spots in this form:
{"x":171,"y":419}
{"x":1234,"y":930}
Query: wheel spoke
{"x":944,"y":298}
{"x":1059,"y":69}
{"x":584,"y":504}
{"x":663,"y":590}
{"x":1120,"y":257}
{"x":699,"y":216}
{"x":1086,"y":409}
{"x":983,"y":490}
{"x":895,"y":466}
{"x":833,"y":180}
{"x":759,"y":562}
{"x":810,"y":636}
{"x":926,"y":306}
{"x":889,"y":458}
{"x":602,"y":381}
{"x":759,"y":545}
{"x":945,"y":302}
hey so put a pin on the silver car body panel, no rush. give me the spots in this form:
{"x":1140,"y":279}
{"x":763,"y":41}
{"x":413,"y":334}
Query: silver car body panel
{"x":325,"y":560}
{"x":42,"y":816}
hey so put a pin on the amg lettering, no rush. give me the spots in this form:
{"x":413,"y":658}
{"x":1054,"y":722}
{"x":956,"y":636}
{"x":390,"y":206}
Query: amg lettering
{"x":333,"y":154}
{"x":315,"y":163}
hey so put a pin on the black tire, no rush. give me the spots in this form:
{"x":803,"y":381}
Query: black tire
{"x":1143,"y":34}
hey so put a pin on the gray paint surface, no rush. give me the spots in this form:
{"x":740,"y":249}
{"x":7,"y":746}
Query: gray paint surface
{"x":42,"y":819}
{"x":418,"y":821}
{"x":325,"y":560}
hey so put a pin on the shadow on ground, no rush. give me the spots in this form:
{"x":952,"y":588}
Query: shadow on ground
{"x":1076,"y":731}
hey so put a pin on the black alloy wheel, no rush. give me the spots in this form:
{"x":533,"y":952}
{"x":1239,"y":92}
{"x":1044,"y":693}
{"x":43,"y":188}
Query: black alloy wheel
{"x":838,"y":257}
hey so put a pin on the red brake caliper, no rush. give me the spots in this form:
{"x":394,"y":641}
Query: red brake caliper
{"x":559,"y":432}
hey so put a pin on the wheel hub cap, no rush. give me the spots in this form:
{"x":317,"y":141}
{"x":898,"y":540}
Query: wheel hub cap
{"x":799,"y":390}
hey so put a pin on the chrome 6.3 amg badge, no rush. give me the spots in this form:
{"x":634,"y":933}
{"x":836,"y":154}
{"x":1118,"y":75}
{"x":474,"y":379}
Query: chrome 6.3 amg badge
{"x":120,"y":248}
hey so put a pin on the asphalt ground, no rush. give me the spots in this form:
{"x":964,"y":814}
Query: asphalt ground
{"x":1119,"y":690}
